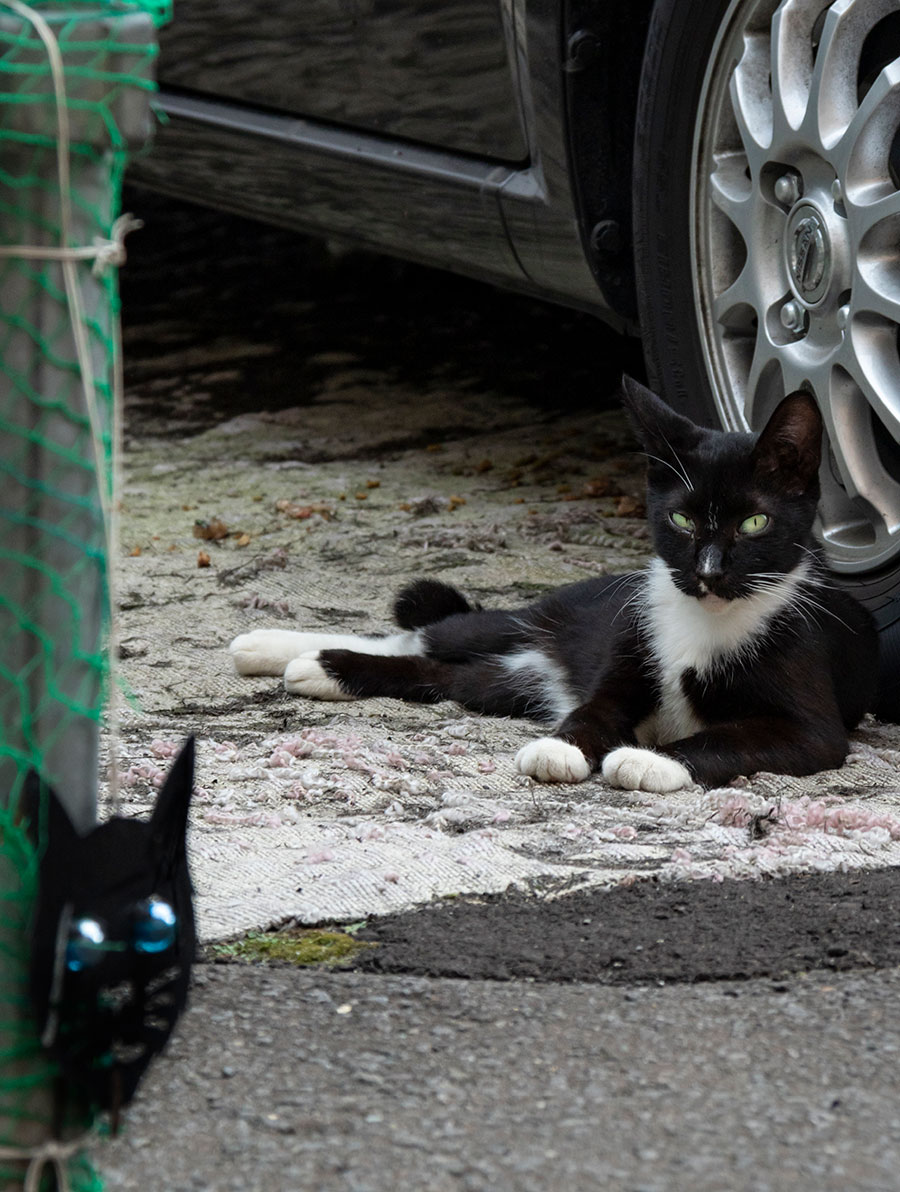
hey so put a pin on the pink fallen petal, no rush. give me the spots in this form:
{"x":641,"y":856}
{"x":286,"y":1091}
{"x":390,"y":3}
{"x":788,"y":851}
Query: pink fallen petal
{"x":164,"y":748}
{"x":319,"y":857}
{"x":624,"y":832}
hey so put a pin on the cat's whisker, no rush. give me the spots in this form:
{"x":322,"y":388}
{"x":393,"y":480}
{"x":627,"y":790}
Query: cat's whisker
{"x":800,"y":599}
{"x":817,"y":576}
{"x":813,"y":554}
{"x":679,"y":471}
{"x":796,"y":607}
{"x":615,"y":588}
{"x":633,"y":599}
{"x":678,"y":461}
{"x":811,"y":602}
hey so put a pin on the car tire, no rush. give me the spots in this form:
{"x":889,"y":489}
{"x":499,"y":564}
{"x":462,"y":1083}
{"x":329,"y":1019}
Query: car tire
{"x":767,"y":248}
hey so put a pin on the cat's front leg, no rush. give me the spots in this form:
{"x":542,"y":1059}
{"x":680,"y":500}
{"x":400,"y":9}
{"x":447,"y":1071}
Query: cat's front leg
{"x":779,"y":744}
{"x":551,"y":759}
{"x":588,"y":733}
{"x":624,"y":698}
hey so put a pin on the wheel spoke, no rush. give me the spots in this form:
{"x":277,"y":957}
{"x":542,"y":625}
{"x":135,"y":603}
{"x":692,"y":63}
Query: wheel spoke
{"x":865,"y":217}
{"x":730,"y":191}
{"x":764,"y":380}
{"x":833,"y":100}
{"x":848,"y":424}
{"x":731,"y":303}
{"x":792,"y":65}
{"x":783,"y":90}
{"x":870,"y":357}
{"x":861,"y":152}
{"x":877,"y":292}
{"x":751,"y":105}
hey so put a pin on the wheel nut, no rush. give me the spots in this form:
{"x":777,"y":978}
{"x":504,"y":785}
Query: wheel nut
{"x":843,"y":316}
{"x":792,"y":316}
{"x":837,"y":191}
{"x":787,"y":189}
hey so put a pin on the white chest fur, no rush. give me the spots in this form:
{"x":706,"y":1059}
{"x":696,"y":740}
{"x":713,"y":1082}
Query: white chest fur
{"x":688,"y":634}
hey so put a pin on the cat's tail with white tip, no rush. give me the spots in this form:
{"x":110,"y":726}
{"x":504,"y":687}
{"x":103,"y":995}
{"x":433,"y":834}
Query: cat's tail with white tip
{"x":425,"y":601}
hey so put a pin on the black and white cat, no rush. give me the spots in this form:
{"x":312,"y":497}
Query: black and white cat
{"x":731,"y":653}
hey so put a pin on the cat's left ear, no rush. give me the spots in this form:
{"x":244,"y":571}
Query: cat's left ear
{"x":168,"y":823}
{"x":664,"y":433}
{"x":789,"y":449}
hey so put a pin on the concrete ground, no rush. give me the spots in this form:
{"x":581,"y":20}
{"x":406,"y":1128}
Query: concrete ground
{"x":283,"y":1080}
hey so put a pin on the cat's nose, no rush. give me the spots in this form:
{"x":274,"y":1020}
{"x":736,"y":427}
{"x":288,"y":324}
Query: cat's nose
{"x":710,"y":563}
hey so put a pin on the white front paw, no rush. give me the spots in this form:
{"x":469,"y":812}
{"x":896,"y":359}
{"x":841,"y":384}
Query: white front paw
{"x":550,"y":760}
{"x":643,"y":770}
{"x":306,"y":676}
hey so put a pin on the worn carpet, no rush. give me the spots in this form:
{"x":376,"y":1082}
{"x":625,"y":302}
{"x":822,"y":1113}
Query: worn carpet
{"x":309,"y":516}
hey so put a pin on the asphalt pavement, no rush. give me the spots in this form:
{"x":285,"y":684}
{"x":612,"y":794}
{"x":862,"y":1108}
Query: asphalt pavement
{"x":285,"y":1081}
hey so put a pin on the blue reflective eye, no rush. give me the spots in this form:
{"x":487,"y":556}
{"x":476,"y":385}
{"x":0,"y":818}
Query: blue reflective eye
{"x":154,"y":926}
{"x":86,"y":945}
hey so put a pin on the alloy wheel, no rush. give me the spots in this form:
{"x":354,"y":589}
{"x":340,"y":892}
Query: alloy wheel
{"x":795,"y":226}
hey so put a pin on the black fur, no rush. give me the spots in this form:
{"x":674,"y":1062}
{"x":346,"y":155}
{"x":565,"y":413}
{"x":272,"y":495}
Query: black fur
{"x":425,"y":601}
{"x":784,"y":704}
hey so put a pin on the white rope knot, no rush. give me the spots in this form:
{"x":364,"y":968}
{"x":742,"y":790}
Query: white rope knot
{"x":111,"y":253}
{"x":52,"y":1151}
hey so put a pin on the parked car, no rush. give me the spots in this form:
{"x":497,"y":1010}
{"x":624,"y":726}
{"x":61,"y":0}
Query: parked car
{"x":722,"y":176}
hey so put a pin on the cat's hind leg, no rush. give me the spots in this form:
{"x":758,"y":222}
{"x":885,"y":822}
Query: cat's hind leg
{"x":487,"y":685}
{"x":340,"y":674}
{"x":268,"y":651}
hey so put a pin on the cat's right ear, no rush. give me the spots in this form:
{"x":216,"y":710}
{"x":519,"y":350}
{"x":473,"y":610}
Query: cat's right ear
{"x":664,"y":434}
{"x":168,"y":823}
{"x":789,"y":448}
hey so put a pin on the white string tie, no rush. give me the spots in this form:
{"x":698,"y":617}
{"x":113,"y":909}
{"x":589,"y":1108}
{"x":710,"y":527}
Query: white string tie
{"x":52,"y":1152}
{"x":105,"y":253}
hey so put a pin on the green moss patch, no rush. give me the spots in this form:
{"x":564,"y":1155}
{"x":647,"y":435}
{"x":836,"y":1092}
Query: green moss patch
{"x":299,"y":946}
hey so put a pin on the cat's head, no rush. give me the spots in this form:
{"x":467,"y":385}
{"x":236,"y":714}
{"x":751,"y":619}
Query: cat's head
{"x":729,"y":512}
{"x":112,"y":936}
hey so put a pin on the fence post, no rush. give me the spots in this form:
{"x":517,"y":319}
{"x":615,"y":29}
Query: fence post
{"x":75,"y":83}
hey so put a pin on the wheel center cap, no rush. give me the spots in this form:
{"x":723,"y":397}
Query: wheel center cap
{"x":809,"y":255}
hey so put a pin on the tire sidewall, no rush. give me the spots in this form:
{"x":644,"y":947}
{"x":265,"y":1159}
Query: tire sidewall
{"x":680,"y":41}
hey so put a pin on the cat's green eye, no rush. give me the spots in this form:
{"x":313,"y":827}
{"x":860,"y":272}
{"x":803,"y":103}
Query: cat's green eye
{"x":754,"y":523}
{"x":681,"y":521}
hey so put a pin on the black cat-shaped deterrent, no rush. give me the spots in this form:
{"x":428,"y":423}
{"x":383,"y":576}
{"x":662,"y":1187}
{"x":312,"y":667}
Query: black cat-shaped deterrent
{"x":113,"y":936}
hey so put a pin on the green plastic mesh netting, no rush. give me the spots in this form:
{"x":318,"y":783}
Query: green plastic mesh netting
{"x":74,"y":84}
